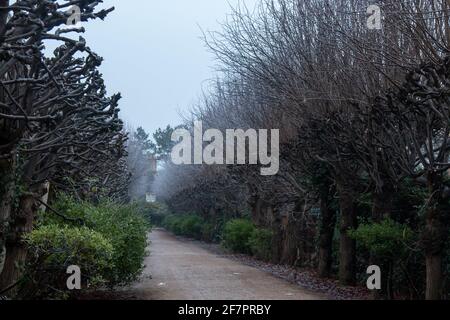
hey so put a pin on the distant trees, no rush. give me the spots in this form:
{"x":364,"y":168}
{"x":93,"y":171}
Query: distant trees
{"x":162,"y":143}
{"x":144,"y":154}
{"x":139,"y":164}
{"x":363,"y":116}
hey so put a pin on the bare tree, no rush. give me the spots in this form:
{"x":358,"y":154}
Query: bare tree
{"x":57,"y":123}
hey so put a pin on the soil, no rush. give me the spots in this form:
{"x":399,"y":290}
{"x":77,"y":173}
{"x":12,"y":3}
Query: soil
{"x":183,"y":269}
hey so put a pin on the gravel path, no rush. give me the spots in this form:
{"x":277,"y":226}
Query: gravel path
{"x":177,"y":270}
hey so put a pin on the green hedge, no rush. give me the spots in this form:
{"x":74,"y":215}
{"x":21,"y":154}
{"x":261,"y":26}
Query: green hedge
{"x":127,"y":232}
{"x":186,"y":225}
{"x":236,"y":235}
{"x":155,"y":212}
{"x":54,"y":248}
{"x":241,"y":236}
{"x":119,"y":231}
{"x":209,"y":232}
{"x":387,"y":239}
{"x":260,"y":243}
{"x":194,"y":226}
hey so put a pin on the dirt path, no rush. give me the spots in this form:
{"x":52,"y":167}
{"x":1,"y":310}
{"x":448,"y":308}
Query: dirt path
{"x":185,"y":271}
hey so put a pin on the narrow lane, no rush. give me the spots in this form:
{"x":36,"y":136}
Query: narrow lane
{"x":185,"y":271}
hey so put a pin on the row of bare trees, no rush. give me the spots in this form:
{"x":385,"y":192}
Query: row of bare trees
{"x":58,"y":126}
{"x":360,"y":111}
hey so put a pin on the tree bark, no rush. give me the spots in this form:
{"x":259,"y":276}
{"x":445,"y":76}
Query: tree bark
{"x":434,"y":237}
{"x":434,"y":277}
{"x":3,"y":18}
{"x":256,"y":210}
{"x":15,"y":248}
{"x":6,"y":199}
{"x":347,"y":246}
{"x":328,"y":224}
{"x":20,"y":219}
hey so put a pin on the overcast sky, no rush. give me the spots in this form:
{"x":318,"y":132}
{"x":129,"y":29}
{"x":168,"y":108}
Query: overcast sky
{"x":154,"y":55}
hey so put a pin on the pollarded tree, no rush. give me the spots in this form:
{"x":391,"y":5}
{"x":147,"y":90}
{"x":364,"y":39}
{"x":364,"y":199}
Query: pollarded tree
{"x":418,"y":120}
{"x":56,"y":121}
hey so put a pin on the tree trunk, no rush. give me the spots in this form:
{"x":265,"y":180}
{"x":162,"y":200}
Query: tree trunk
{"x":347,"y":246}
{"x":20,"y":218}
{"x":22,"y":223}
{"x":328,"y":224}
{"x":14,"y":262}
{"x":434,"y":277}
{"x":3,"y":18}
{"x":434,"y":237}
{"x":256,"y":210}
{"x":6,"y":199}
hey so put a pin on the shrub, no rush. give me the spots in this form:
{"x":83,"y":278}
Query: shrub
{"x":127,"y":232}
{"x":191,"y":226}
{"x":54,"y":248}
{"x":173,"y":224}
{"x":260,"y":243}
{"x":185,"y":225}
{"x":236,"y":235}
{"x":208,"y":232}
{"x":387,"y":239}
{"x":153,"y":212}
{"x":239,"y":235}
{"x":121,"y":225}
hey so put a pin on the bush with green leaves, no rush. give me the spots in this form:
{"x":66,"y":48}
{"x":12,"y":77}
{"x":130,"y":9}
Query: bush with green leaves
{"x":127,"y":232}
{"x":172,"y":223}
{"x":236,"y":235}
{"x":209,"y":232}
{"x":185,"y":225}
{"x":123,"y":227}
{"x":154,"y":212}
{"x":192,"y":226}
{"x":53,"y":248}
{"x":260,"y":243}
{"x":387,"y":239}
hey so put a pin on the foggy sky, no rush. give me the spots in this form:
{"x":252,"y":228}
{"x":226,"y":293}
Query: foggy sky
{"x":154,"y":55}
